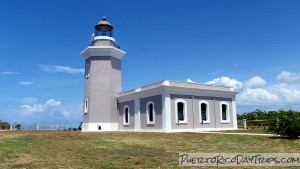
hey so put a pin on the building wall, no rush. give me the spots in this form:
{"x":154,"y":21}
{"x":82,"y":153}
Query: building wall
{"x":174,"y":122}
{"x":157,"y":100}
{"x":197,"y":122}
{"x":218,"y":113}
{"x":101,"y":89}
{"x":104,"y":42}
{"x":121,"y":106}
{"x":193,"y":112}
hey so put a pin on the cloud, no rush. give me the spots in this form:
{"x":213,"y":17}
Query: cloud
{"x":217,"y":72}
{"x":287,"y":95}
{"x":257,"y":97}
{"x":255,"y":82}
{"x":279,"y":96}
{"x":47,"y":113}
{"x":288,"y":76}
{"x":226,"y":81}
{"x":57,"y":69}
{"x":9,"y":73}
{"x":29,"y":100}
{"x":26,"y":83}
{"x":251,"y":93}
{"x":190,"y":81}
{"x":50,"y":109}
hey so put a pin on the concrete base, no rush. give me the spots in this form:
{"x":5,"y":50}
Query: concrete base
{"x":180,"y":130}
{"x":99,"y":127}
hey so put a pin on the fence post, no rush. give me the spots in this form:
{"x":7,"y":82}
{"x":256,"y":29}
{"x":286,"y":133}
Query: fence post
{"x":11,"y":127}
{"x":245,"y":123}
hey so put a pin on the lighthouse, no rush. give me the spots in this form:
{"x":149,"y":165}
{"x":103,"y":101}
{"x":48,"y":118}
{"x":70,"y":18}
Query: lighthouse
{"x":102,"y":80}
{"x":161,"y":106}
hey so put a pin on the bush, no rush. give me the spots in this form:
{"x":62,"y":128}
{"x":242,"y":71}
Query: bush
{"x":287,"y":123}
{"x":17,"y":126}
{"x":257,"y":115}
{"x":4,"y":125}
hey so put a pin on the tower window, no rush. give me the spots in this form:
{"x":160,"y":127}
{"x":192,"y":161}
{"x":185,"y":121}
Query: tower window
{"x":204,"y":115}
{"x":150,"y":113}
{"x":126,"y":115}
{"x":224,"y":112}
{"x":181,"y":111}
{"x":87,"y":70}
{"x":86,"y":106}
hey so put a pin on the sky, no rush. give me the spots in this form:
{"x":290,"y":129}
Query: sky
{"x":252,"y":45}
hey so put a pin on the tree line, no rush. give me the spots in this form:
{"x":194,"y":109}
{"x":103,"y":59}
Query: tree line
{"x":284,"y":123}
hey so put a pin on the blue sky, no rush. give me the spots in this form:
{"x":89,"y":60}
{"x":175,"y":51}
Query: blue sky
{"x":252,"y":45}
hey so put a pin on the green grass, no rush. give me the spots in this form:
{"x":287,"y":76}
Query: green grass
{"x":68,"y":149}
{"x":250,"y":130}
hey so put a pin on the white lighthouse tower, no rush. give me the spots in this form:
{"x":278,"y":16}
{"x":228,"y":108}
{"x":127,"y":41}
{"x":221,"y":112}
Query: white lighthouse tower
{"x":102,"y":81}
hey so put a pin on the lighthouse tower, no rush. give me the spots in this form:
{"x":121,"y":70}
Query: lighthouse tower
{"x":102,"y":80}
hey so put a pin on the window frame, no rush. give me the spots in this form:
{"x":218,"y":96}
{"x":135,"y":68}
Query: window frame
{"x":185,"y":118}
{"x":86,"y":106}
{"x":207,"y":112}
{"x":124,"y":117}
{"x":87,"y":70}
{"x":147,"y":112}
{"x":227,"y":112}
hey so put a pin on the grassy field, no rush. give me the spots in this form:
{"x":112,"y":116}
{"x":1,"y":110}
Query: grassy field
{"x":69,"y":149}
{"x":255,"y":130}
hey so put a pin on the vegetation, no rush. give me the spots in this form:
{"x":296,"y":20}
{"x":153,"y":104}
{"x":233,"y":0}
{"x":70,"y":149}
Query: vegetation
{"x":69,"y":149}
{"x":258,"y":115}
{"x":286,"y":123}
{"x":17,"y":126}
{"x":4,"y":125}
{"x":250,"y":130}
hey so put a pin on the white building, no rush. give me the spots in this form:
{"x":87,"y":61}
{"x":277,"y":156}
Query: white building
{"x":162,"y":106}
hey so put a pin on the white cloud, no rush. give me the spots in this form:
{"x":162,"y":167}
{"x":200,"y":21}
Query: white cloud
{"x":257,"y":97}
{"x":287,"y":95}
{"x":51,"y":109}
{"x":217,"y":72}
{"x":226,"y":81}
{"x":29,"y":100}
{"x":56,"y":69}
{"x":190,"y":81}
{"x":288,"y":76}
{"x":280,"y":96}
{"x":10,"y":73}
{"x":38,"y":108}
{"x":26,"y":83}
{"x":255,"y":82}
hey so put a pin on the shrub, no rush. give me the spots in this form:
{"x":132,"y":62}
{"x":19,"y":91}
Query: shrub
{"x":17,"y":126}
{"x":4,"y":125}
{"x":287,"y":123}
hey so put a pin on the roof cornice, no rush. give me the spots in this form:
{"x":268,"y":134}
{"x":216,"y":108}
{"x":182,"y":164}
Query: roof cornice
{"x":103,"y":51}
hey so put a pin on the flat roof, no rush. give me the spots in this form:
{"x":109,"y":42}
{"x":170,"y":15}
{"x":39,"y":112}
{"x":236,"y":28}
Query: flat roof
{"x":177,"y":84}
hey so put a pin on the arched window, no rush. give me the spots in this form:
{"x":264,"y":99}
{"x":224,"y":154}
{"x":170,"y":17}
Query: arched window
{"x":126,"y":115}
{"x":224,"y":112}
{"x":150,"y":113}
{"x":181,"y":111}
{"x":204,"y":114}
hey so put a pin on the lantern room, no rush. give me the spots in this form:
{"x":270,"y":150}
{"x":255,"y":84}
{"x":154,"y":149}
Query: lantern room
{"x":104,"y":28}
